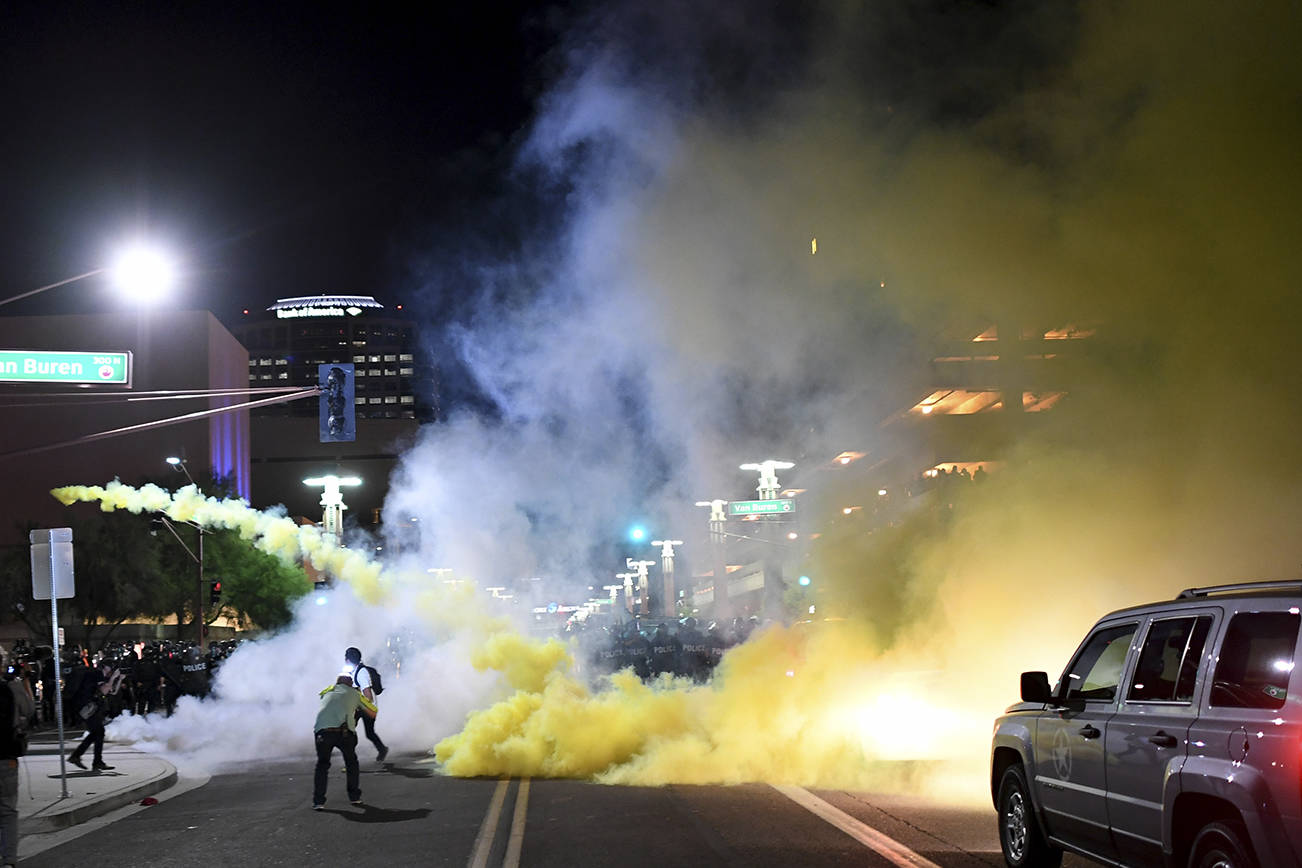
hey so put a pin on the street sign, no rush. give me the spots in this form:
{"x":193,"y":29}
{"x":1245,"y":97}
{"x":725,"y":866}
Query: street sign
{"x":38,"y":366}
{"x":761,"y":507}
{"x":52,"y":564}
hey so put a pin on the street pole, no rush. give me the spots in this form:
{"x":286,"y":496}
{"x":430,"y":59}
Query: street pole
{"x":771,"y":603}
{"x":640,"y":568}
{"x":669,"y":606}
{"x":199,"y":561}
{"x":627,"y":579}
{"x":718,"y":556}
{"x":56,"y":561}
{"x":58,"y":676}
{"x":332,"y":499}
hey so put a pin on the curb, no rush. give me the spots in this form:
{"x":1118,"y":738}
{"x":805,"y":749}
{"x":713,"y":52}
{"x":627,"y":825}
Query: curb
{"x":65,"y":819}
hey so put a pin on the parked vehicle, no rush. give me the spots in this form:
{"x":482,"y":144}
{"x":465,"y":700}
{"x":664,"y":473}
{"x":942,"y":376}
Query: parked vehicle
{"x":1173,"y":738}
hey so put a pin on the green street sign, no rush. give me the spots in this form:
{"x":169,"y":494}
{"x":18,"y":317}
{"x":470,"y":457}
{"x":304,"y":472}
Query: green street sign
{"x":38,"y":366}
{"x":760,"y":507}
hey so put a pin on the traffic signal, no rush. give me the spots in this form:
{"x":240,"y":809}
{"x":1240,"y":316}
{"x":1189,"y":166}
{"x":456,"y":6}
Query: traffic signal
{"x":215,"y":597}
{"x":337,"y":414}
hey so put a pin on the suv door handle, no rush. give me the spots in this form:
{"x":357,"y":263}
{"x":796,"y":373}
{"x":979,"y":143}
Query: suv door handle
{"x":1161,"y":739}
{"x":1088,"y":731}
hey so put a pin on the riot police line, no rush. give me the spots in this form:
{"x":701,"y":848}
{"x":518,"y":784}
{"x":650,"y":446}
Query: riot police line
{"x":652,"y":647}
{"x":155,"y":674}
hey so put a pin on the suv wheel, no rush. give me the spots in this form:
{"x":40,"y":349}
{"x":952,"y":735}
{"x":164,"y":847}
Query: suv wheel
{"x":1019,"y":833}
{"x":1219,"y":846}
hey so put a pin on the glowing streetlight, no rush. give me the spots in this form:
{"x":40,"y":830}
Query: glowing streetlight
{"x":667,"y":573}
{"x":639,"y":568}
{"x":143,"y":273}
{"x":768,"y":477}
{"x":179,"y":464}
{"x":627,"y":579}
{"x":332,"y":499}
{"x":718,"y":557}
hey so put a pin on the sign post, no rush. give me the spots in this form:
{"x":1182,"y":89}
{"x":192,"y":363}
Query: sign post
{"x":52,"y":579}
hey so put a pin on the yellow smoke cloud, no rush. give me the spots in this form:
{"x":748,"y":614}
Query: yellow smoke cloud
{"x":275,"y":535}
{"x":802,"y":705}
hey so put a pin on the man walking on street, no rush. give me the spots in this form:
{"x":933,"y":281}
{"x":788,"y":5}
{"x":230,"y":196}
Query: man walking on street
{"x":362,"y":680}
{"x":89,"y":704}
{"x":335,"y":727}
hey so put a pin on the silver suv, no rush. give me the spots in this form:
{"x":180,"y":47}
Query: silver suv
{"x":1174,"y":737}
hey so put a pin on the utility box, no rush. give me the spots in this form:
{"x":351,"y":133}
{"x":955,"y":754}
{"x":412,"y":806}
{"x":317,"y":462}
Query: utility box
{"x":52,"y":564}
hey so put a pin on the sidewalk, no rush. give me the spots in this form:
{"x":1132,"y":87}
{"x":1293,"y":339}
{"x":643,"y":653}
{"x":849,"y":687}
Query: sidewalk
{"x":41,"y":805}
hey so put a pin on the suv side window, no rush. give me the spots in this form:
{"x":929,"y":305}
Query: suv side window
{"x":1096,"y":671}
{"x":1256,"y":660}
{"x":1168,"y":663}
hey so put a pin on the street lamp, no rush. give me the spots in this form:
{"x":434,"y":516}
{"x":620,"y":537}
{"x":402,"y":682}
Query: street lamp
{"x":198,"y":560}
{"x":143,"y":272}
{"x":768,"y":477}
{"x":179,"y":464}
{"x":718,"y":519}
{"x":332,"y":522}
{"x":667,"y":574}
{"x":639,"y":568}
{"x":139,"y":271}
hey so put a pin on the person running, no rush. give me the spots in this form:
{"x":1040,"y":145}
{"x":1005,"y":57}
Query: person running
{"x":361,"y":674}
{"x":336,"y":727}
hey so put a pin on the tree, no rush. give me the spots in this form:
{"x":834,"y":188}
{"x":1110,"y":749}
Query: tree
{"x":130,"y":566}
{"x":257,"y":588}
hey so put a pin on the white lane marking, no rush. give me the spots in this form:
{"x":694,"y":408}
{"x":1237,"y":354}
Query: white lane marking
{"x":488,"y":829}
{"x":513,"y":846}
{"x":888,"y":847}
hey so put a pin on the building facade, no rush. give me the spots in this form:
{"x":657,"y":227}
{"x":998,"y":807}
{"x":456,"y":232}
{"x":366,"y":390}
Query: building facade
{"x":171,"y":352}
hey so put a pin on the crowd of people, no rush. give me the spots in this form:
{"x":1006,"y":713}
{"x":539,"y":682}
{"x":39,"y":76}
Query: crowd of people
{"x":151,"y":676}
{"x":653,"y":648}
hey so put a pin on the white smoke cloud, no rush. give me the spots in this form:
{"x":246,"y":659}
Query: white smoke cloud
{"x":265,"y":696}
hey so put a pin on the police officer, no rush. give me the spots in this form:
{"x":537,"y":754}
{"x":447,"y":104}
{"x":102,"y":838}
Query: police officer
{"x":695,"y":656}
{"x":637,"y":650}
{"x":665,"y":651}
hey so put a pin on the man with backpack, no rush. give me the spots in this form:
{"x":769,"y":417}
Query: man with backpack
{"x":367,"y":680}
{"x":16,"y":709}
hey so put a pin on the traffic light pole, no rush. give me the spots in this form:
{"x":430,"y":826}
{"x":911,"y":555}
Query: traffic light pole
{"x":198,"y":559}
{"x":199,"y":610}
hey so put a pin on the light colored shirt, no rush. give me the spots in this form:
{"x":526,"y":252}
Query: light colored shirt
{"x":362,"y":678}
{"x":339,"y":704}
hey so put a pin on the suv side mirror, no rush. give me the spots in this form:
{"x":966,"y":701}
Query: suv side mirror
{"x":1035,"y":687}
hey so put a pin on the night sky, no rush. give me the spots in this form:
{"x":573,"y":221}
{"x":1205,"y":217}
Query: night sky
{"x":277,"y":149}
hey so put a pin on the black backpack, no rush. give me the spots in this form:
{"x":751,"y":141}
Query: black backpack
{"x":377,"y":686}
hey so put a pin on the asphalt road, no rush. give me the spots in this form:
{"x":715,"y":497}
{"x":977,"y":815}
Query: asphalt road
{"x":412,"y":816}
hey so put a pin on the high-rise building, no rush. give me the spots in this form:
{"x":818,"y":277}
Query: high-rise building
{"x":395,"y":385}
